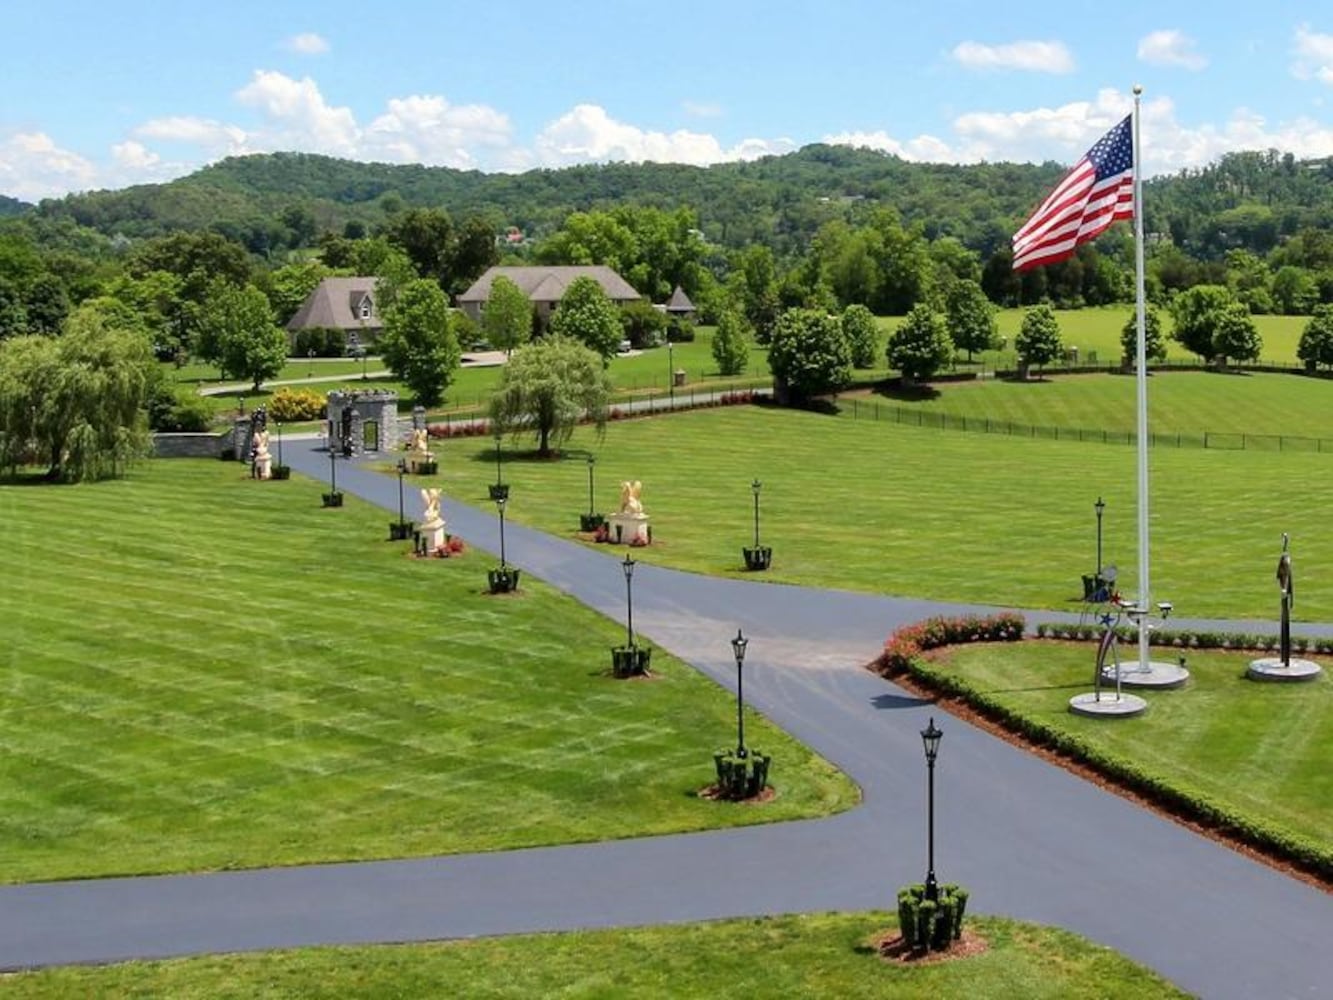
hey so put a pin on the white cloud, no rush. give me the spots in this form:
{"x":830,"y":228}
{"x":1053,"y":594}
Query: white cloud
{"x":213,"y":137}
{"x":701,"y":109}
{"x":587,"y":133}
{"x":1314,"y":55}
{"x":1170,"y":47}
{"x":923,"y":148}
{"x":307,"y":44}
{"x":428,"y":129}
{"x":32,"y":166}
{"x":1037,"y":57}
{"x":298,"y":117}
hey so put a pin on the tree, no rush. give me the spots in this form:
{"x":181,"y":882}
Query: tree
{"x":1153,"y":341}
{"x":1236,"y":336}
{"x":426,"y":236}
{"x":862,"y":333}
{"x":1195,"y":314}
{"x":77,"y":401}
{"x":1295,"y":291}
{"x":808,"y":355}
{"x":587,"y":314}
{"x":1038,"y":341}
{"x":506,"y":319}
{"x":730,"y":349}
{"x":46,"y":304}
{"x":754,"y":288}
{"x":547,"y":388}
{"x":643,"y":324}
{"x":473,"y":251}
{"x":237,"y":332}
{"x":920,"y":346}
{"x":290,"y":285}
{"x":418,"y":344}
{"x":969,"y":317}
{"x":1316,"y":346}
{"x":13,"y":315}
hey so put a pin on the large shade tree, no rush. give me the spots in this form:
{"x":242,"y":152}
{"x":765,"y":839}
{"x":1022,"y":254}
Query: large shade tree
{"x":731,"y":351}
{"x":547,"y":388}
{"x":1154,"y":342}
{"x":587,"y":314}
{"x":970,"y":317}
{"x":506,"y":319}
{"x":75,"y":403}
{"x":920,"y":346}
{"x":1195,"y":314}
{"x":419,"y":344}
{"x":1038,"y":341}
{"x":808,"y":355}
{"x":237,"y":332}
{"x":862,"y":333}
{"x":1316,"y":345}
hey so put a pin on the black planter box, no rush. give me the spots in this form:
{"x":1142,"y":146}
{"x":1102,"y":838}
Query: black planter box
{"x":333,"y":499}
{"x":758,"y":558}
{"x":498,"y":491}
{"x":591,"y":522}
{"x":400,"y":531}
{"x":427,"y":468}
{"x":502,"y":581}
{"x":282,"y":472}
{"x":630,"y":661}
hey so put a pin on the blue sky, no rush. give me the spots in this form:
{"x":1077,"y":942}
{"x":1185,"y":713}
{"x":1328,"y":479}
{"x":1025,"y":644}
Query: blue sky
{"x":104,"y":95}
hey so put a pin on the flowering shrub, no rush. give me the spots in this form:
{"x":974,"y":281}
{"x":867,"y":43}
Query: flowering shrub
{"x":638,"y":542}
{"x":602,"y":533}
{"x":287,"y":405}
{"x":472,"y":428}
{"x":911,"y":641}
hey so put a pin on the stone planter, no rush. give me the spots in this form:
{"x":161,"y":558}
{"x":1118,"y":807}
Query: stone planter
{"x":502,"y":581}
{"x":282,"y":472}
{"x":334,"y":499}
{"x":591,"y":522}
{"x":498,"y":491}
{"x":401,"y":531}
{"x":630,"y":661}
{"x":741,"y":777}
{"x":759,"y":557}
{"x":426,"y":468}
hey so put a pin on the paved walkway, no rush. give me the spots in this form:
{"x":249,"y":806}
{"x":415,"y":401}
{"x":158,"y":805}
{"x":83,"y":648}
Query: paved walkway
{"x":1027,"y":838}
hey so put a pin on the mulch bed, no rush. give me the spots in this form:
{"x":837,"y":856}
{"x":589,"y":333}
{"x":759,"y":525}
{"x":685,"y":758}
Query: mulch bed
{"x":711,"y":793}
{"x":892,"y":948}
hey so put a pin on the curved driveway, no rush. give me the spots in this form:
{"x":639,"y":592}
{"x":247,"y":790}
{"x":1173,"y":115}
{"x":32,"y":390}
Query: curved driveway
{"x":1027,"y":838}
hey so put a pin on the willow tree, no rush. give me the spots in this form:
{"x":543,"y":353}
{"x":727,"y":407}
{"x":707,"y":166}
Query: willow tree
{"x":547,"y":387}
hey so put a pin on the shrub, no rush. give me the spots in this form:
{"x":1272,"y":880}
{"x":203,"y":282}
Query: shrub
{"x":906,"y":644}
{"x":680,"y":330}
{"x":288,"y":405}
{"x":741,"y":777}
{"x":931,"y":925}
{"x":325,"y":342}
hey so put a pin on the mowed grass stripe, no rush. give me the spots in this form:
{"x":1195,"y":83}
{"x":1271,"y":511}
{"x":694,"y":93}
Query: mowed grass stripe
{"x":222,"y":674}
{"x":937,"y":514}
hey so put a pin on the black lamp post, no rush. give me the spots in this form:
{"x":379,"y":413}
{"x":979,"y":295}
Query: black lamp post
{"x":333,"y":471}
{"x":498,"y":489}
{"x":930,"y":739}
{"x":738,"y":645}
{"x":592,"y":462}
{"x":279,"y":427}
{"x":671,"y":371}
{"x":628,"y":567}
{"x":1100,"y":507}
{"x":401,"y":530}
{"x":402,"y":471}
{"x":500,"y":504}
{"x":758,"y":557}
{"x":755,"y":487}
{"x":310,"y":361}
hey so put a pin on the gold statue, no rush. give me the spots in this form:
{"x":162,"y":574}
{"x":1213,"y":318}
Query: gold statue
{"x":629,"y":497}
{"x":431,"y":498}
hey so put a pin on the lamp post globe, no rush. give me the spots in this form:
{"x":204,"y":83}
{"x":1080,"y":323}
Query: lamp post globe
{"x":930,"y":740}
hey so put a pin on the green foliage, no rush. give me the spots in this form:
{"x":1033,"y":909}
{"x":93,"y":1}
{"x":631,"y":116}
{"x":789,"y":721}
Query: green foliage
{"x":319,"y":342}
{"x":1154,"y":344}
{"x":1235,"y":335}
{"x":644,"y":325}
{"x":419,"y":345}
{"x":931,"y":925}
{"x":289,"y":405}
{"x":741,"y":778}
{"x":808,"y":356}
{"x":1295,"y":291}
{"x":862,"y":333}
{"x":289,"y":286}
{"x":753,"y":288}
{"x":731,"y":349}
{"x":176,"y":408}
{"x":506,"y":319}
{"x":970,"y":318}
{"x":236,"y":330}
{"x":426,"y":236}
{"x":1316,"y":345}
{"x":1038,"y":341}
{"x":547,"y":388}
{"x":587,"y":314}
{"x":681,"y":330}
{"x":1196,"y":314}
{"x":920,"y":346}
{"x":77,"y":401}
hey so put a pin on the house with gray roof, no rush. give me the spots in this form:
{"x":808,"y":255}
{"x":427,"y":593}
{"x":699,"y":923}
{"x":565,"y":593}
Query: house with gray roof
{"x":545,"y":286}
{"x":346,"y":304}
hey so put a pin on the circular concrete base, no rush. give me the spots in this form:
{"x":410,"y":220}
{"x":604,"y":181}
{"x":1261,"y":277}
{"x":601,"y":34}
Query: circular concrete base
{"x":1270,"y":668}
{"x":1159,"y":675}
{"x":1110,"y":707}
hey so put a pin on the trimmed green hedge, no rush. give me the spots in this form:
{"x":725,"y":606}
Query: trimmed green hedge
{"x":901,"y":656}
{"x":931,"y":924}
{"x":1186,"y":638}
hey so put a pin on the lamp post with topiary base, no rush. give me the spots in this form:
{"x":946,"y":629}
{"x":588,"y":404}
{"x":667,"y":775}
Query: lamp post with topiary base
{"x":758,"y":557}
{"x":281,"y":471}
{"x":741,"y":773}
{"x":400,"y":530}
{"x":930,"y":740}
{"x":629,"y":660}
{"x":334,"y":497}
{"x":504,"y":579}
{"x":591,"y":521}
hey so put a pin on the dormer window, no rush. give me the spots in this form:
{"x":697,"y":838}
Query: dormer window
{"x":365,"y":308}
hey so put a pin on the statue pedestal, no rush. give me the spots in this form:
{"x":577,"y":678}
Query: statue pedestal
{"x":263,"y":466}
{"x":1271,"y":668}
{"x":627,"y":528}
{"x":420,"y":462}
{"x":432,"y":535}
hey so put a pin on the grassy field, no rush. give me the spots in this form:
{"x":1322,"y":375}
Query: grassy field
{"x":819,"y":956}
{"x":1192,"y":403}
{"x":206,"y":672}
{"x":939,"y":514}
{"x":1259,"y":749}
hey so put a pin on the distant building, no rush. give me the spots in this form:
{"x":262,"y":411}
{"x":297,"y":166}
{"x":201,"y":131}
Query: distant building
{"x":346,"y":304}
{"x":545,"y":286}
{"x":680,"y":305}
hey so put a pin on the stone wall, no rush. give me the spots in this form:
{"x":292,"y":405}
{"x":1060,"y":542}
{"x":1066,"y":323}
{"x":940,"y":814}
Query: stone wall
{"x":364,"y":408}
{"x":183,"y":445}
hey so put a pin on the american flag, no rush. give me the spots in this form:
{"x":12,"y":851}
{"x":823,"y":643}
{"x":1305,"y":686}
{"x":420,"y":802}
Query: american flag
{"x":1098,"y":191}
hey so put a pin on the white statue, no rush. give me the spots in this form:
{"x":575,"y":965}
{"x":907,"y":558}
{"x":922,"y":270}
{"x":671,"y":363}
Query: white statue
{"x":431,"y":498}
{"x":629,"y":497}
{"x":419,"y":441}
{"x":260,"y":443}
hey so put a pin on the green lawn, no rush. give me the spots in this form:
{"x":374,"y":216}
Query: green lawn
{"x":939,"y":514}
{"x":203,"y":672}
{"x":1259,"y":749}
{"x":1190,"y":403}
{"x":829,"y":955}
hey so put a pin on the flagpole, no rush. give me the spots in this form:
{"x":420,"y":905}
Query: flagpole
{"x":1141,"y":379}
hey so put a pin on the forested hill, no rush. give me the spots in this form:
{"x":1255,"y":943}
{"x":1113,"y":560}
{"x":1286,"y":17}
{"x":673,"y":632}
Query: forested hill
{"x":12,"y":206}
{"x":1248,"y":200}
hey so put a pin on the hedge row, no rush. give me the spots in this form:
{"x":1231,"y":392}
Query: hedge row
{"x":1187,"y":638}
{"x":899,"y":658}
